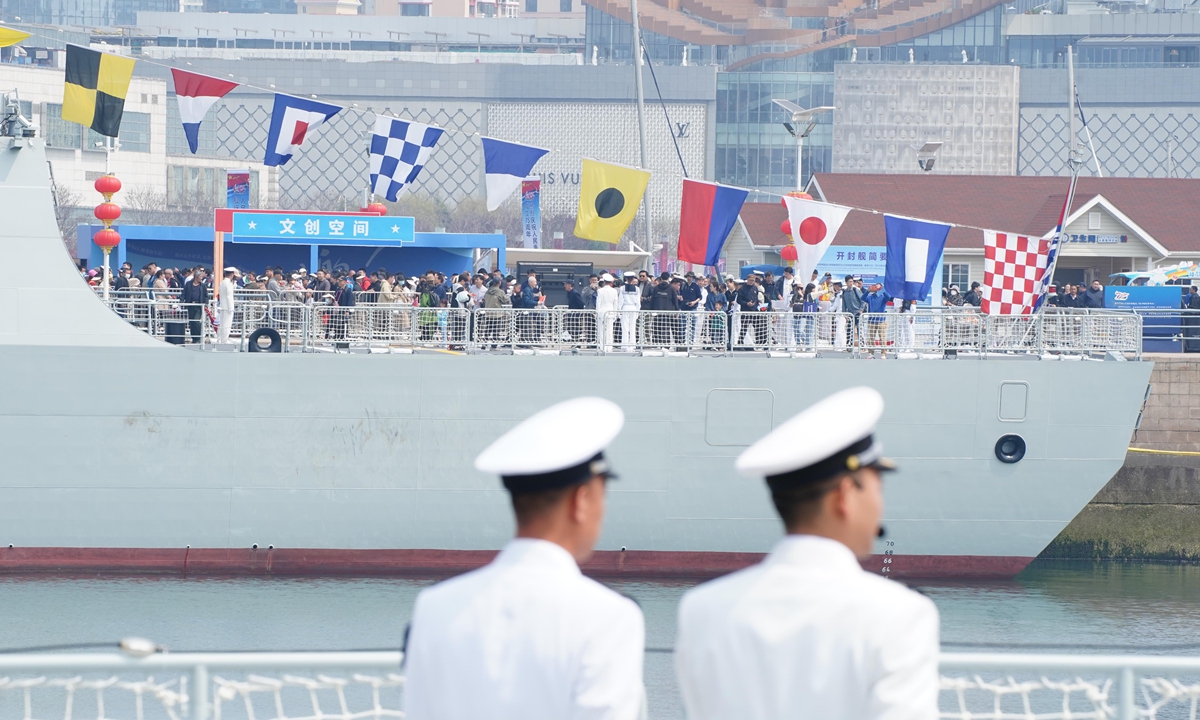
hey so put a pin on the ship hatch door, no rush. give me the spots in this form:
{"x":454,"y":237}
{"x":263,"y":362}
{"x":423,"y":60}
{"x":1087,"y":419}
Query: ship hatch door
{"x":1014,"y":396}
{"x":738,"y":416}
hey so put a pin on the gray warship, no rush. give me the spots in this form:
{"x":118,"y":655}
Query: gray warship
{"x":122,"y":453}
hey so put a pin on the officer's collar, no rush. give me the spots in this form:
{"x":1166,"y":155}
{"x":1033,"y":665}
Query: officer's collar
{"x":812,"y":551}
{"x":542,"y":553}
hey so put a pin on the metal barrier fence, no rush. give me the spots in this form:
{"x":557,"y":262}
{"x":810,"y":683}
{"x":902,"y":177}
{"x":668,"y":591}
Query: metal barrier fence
{"x":359,"y":685}
{"x":994,"y":686}
{"x":202,"y":686}
{"x":922,"y":332}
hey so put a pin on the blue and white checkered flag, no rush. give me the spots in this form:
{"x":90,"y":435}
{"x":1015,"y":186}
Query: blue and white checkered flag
{"x":399,"y":149}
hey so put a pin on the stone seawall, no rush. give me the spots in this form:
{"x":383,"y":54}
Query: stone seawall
{"x":1151,"y":509}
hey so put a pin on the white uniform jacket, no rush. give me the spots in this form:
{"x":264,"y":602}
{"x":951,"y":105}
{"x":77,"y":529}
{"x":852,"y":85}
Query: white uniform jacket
{"x":225,"y":302}
{"x":807,"y":634}
{"x":527,"y":637}
{"x":627,"y":300}
{"x":606,"y":300}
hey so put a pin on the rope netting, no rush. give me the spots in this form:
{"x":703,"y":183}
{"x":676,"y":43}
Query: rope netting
{"x":256,"y":697}
{"x":976,"y":698}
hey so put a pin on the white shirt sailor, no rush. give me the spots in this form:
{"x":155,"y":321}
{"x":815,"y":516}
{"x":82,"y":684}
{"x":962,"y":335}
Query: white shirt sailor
{"x":226,"y":300}
{"x":807,"y":633}
{"x":606,"y":299}
{"x":527,"y":637}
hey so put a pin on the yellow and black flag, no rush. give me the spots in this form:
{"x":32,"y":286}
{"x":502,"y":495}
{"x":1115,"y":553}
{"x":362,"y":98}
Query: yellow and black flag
{"x":608,"y":199}
{"x":97,"y":83}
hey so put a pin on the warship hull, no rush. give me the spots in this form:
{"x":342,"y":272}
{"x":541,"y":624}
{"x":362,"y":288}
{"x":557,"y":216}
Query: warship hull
{"x":125,"y":454}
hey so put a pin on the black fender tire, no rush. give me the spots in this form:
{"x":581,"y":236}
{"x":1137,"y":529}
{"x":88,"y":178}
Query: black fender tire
{"x":269,"y":333}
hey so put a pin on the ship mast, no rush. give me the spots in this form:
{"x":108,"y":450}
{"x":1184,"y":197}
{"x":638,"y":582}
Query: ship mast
{"x":1074,"y":163}
{"x":641,"y":112}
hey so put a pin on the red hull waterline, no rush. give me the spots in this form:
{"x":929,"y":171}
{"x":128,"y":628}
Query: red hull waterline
{"x":643,"y":564}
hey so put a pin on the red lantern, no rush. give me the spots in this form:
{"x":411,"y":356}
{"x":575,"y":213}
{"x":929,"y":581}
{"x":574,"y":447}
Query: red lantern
{"x":795,"y":194}
{"x":107,"y":212}
{"x":788,"y":253}
{"x":107,"y":239}
{"x":378,"y":208}
{"x":785,"y":227}
{"x":107,"y":185}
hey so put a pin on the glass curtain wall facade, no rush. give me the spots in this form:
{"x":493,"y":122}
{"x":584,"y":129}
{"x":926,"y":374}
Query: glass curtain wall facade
{"x":982,"y":37}
{"x":81,"y":12}
{"x":753,"y":150}
{"x":614,"y":40}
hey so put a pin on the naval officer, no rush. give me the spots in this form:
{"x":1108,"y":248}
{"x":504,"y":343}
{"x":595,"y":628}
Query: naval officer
{"x":807,"y":633}
{"x":528,"y":637}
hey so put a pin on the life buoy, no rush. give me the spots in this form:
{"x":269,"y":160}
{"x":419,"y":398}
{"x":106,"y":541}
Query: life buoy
{"x":269,"y":333}
{"x":1010,"y":449}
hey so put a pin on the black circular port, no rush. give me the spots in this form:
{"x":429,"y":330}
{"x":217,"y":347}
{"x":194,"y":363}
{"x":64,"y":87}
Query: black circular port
{"x":1010,"y":449}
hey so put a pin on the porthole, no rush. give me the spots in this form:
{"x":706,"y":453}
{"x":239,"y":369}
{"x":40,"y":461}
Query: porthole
{"x":1010,"y":449}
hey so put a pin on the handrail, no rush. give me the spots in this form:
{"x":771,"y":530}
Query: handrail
{"x":925,"y":332}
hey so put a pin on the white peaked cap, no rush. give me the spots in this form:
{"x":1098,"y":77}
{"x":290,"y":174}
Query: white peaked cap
{"x":630,"y":273}
{"x":559,"y":437}
{"x":231,"y":269}
{"x":606,"y":277}
{"x":819,"y":432}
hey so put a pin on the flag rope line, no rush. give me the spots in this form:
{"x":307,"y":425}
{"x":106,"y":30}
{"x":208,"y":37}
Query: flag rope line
{"x":353,"y":107}
{"x":657,"y":89}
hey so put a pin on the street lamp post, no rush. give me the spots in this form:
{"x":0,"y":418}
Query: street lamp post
{"x":801,"y":126}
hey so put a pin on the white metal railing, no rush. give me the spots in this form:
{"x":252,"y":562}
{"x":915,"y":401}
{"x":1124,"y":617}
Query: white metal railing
{"x":202,"y":686}
{"x":369,"y":684}
{"x":999,"y":686}
{"x":924,"y":332}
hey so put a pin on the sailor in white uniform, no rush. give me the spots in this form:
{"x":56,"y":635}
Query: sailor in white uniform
{"x":629,"y":302}
{"x":225,"y":305}
{"x":807,"y":633}
{"x":528,"y":637}
{"x":606,"y":310}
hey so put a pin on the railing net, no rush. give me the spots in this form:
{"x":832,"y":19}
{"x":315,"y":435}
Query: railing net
{"x":356,"y":696}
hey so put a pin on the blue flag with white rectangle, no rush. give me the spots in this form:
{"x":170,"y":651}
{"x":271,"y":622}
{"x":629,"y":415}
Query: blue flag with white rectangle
{"x":914,"y":252}
{"x":505,"y":165}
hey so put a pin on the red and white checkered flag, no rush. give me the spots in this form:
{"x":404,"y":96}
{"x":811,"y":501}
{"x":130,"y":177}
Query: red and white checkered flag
{"x":1013,"y":266}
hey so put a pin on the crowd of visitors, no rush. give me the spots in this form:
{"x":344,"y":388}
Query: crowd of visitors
{"x":729,"y":309}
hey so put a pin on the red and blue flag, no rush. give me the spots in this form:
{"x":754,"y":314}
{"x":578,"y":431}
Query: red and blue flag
{"x":706,"y":216}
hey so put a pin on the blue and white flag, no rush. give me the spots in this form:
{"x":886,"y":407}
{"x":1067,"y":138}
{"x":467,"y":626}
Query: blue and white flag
{"x":505,"y":165}
{"x":914,"y":252}
{"x":399,"y":149}
{"x":291,"y":120}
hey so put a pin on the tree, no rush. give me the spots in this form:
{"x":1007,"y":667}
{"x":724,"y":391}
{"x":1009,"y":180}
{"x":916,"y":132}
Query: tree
{"x":67,"y":214}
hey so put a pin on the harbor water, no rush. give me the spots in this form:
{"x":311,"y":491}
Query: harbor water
{"x":1059,"y":606}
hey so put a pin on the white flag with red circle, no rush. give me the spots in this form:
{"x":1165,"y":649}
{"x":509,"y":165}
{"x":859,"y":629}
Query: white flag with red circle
{"x":814,"y":225}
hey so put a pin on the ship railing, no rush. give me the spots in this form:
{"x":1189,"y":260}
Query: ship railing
{"x":663,"y":331}
{"x":792,"y":332}
{"x":290,"y":320}
{"x":1003,"y":686}
{"x":203,"y":686}
{"x":370,"y":684}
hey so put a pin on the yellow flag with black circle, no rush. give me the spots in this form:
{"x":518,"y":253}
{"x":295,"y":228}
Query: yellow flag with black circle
{"x":609,"y":197}
{"x":95,"y":90}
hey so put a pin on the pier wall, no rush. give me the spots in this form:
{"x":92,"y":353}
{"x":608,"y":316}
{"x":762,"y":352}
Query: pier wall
{"x":1151,"y":509}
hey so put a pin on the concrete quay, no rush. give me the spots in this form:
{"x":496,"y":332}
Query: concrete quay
{"x":1151,"y":509}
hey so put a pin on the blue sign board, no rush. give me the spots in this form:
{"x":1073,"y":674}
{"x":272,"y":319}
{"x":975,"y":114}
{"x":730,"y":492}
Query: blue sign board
{"x":1160,"y":330}
{"x":304,"y":228}
{"x":868,"y":262}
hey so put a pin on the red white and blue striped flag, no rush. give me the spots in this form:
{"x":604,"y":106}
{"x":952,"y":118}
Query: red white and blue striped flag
{"x":706,"y":215}
{"x":195,"y":94}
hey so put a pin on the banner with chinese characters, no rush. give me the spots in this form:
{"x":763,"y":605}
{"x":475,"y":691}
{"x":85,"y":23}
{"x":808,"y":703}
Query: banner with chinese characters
{"x":531,"y":212}
{"x":288,"y":228}
{"x":868,"y":262}
{"x":237,"y":193}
